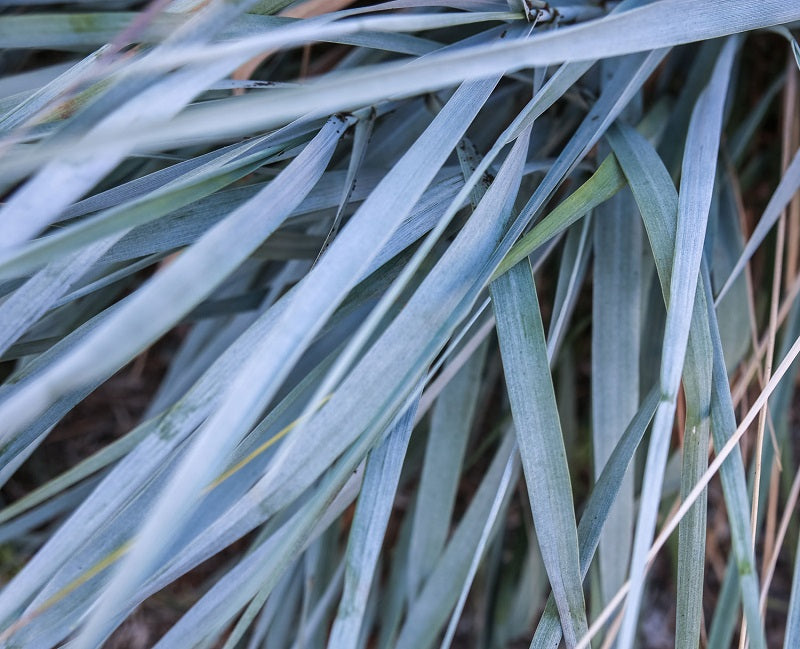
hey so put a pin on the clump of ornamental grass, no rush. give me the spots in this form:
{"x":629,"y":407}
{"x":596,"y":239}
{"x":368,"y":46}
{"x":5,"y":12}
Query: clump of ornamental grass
{"x":400,"y":325}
